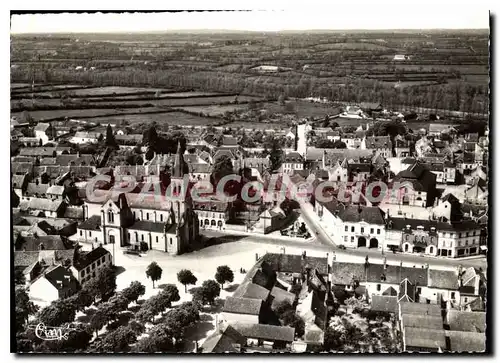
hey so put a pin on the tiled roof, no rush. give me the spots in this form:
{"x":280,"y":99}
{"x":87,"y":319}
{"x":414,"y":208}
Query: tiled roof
{"x":224,"y":341}
{"x":471,"y":321}
{"x":56,"y":190}
{"x":466,"y":342}
{"x":266,"y":332}
{"x":25,"y":258}
{"x":420,"y":309}
{"x":18,"y":181}
{"x":242,"y":306}
{"x":425,"y":338}
{"x":251,"y":291}
{"x":92,"y":224}
{"x":85,"y":259}
{"x":378,"y":142}
{"x":62,"y":279}
{"x":355,"y":214}
{"x":279,"y":295}
{"x":49,"y":243}
{"x":42,"y":126}
{"x":148,"y":226}
{"x":73,"y":212}
{"x":36,"y":189}
{"x":387,"y":304}
{"x":343,"y":273}
{"x":294,"y":263}
{"x":443,"y":279}
{"x":422,"y":321}
{"x":200,"y":168}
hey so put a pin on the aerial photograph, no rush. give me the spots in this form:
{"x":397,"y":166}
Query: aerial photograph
{"x":249,"y":182}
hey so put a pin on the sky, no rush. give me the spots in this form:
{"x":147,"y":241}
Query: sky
{"x":335,"y":18}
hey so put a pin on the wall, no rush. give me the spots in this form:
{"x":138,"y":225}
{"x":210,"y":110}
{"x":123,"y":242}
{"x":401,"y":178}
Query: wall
{"x":43,"y":290}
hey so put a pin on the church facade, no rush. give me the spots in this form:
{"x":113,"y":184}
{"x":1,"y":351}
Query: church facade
{"x":161,"y":222}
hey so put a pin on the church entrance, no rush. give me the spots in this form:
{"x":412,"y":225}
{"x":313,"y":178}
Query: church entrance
{"x":361,"y":242}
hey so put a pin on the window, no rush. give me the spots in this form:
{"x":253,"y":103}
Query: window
{"x":352,"y":239}
{"x":453,"y":295}
{"x":93,"y":274}
{"x":142,"y":237}
{"x":465,"y":299}
{"x":103,"y":259}
{"x":156,"y":239}
{"x":98,"y":263}
{"x":406,"y":237}
{"x":82,"y":273}
{"x":371,"y":230}
{"x":87,"y":270}
{"x":128,"y":236}
{"x":90,"y":234}
{"x":134,"y":214}
{"x":111,"y":217}
{"x":378,"y":287}
{"x":362,"y":229}
{"x":378,"y":230}
{"x":161,"y":217}
{"x":170,"y":240}
{"x":345,"y":238}
{"x":147,"y":216}
{"x":346,"y":229}
{"x":352,"y":229}
{"x":81,"y":233}
{"x":93,"y":266}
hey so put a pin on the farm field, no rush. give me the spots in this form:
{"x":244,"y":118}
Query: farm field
{"x":256,"y":125}
{"x":50,"y":115}
{"x":215,"y":110}
{"x":101,"y":91}
{"x":169,"y":118}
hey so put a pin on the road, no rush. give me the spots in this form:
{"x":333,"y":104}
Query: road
{"x":350,"y":255}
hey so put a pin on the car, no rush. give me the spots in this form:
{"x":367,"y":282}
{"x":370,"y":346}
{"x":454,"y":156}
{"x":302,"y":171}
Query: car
{"x":342,"y":247}
{"x":132,"y":252}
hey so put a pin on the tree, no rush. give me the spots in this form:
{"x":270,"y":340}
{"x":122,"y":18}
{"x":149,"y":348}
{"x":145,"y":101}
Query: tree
{"x":110,"y":138}
{"x":119,"y":302}
{"x":145,"y":314}
{"x":222,"y":166}
{"x":160,"y":340}
{"x":58,"y":313}
{"x":154,"y":272}
{"x":101,"y":317}
{"x":276,"y":156}
{"x":224,"y":274}
{"x":134,"y":291}
{"x":84,"y":298}
{"x":116,"y":341}
{"x":207,"y":293}
{"x":186,"y":277}
{"x":334,"y":125}
{"x":137,"y":327}
{"x":106,"y":282}
{"x":169,"y":294}
{"x":338,"y":144}
{"x":282,"y":308}
{"x":290,"y":318}
{"x":76,"y":341}
{"x":353,"y":303}
{"x":23,"y":304}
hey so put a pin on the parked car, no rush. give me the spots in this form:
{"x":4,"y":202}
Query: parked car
{"x":342,"y":247}
{"x":132,"y":252}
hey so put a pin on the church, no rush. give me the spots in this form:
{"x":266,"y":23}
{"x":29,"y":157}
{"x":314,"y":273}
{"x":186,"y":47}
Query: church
{"x":165,"y":223}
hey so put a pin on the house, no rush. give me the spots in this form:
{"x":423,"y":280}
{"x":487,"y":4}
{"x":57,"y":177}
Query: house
{"x":402,"y":148}
{"x":199,"y":171}
{"x":361,"y":227}
{"x":371,"y":106}
{"x":424,"y":340}
{"x":87,"y":265}
{"x":44,"y":132}
{"x":242,"y":309}
{"x":265,"y":336}
{"x":415,"y":186}
{"x":35,"y":190}
{"x":478,"y":193}
{"x":39,"y":243}
{"x":225,"y":339}
{"x":441,"y":286}
{"x":55,"y":192}
{"x":19,"y":184}
{"x":56,"y":282}
{"x":89,"y":231}
{"x":382,"y":144}
{"x":212,"y":214}
{"x":401,"y":57}
{"x":466,"y":321}
{"x":438,"y":129}
{"x":448,"y":209}
{"x":293,"y":161}
{"x":466,"y":342}
{"x":385,"y":304}
{"x":43,"y":207}
{"x":86,"y":137}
